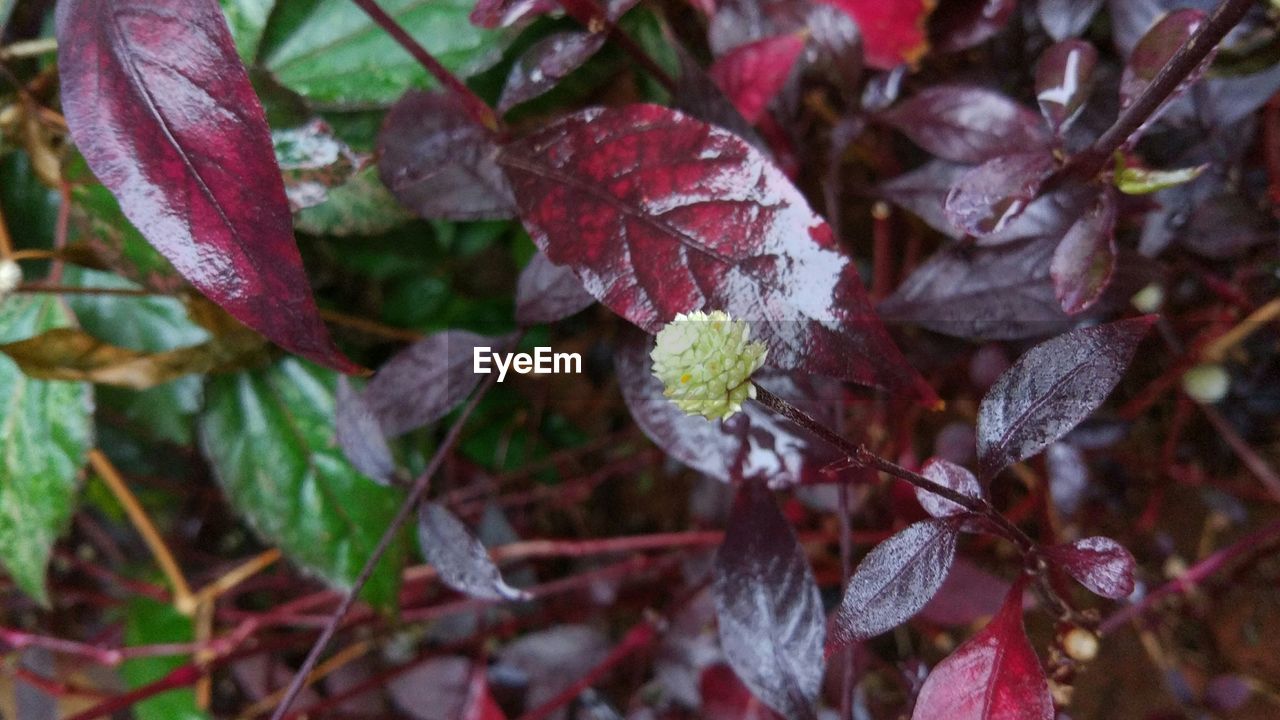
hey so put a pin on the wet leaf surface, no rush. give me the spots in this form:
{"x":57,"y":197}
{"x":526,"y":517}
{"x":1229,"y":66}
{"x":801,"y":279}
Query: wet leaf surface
{"x":1064,"y":77}
{"x":459,"y":557}
{"x":986,"y":199}
{"x":546,"y":63}
{"x":751,"y":75}
{"x":966,"y":124}
{"x":1085,"y":259}
{"x":1099,"y":563}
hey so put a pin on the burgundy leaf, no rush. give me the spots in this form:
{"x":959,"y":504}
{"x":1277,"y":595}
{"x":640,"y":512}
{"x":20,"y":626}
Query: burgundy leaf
{"x":442,"y":687}
{"x":895,"y":580}
{"x":1051,"y":388}
{"x":423,"y":382}
{"x":505,"y":13}
{"x":966,"y":124}
{"x":1155,"y":49}
{"x":893,"y":33}
{"x":834,"y":52}
{"x":986,"y":198}
{"x":724,"y":697}
{"x":547,"y":292}
{"x":439,"y":163}
{"x":1100,"y":564}
{"x":546,"y":63}
{"x":962,"y":24}
{"x":1064,"y":77}
{"x":458,"y":556}
{"x":698,"y":95}
{"x":755,"y":444}
{"x":751,"y":75}
{"x":1086,"y":258}
{"x":997,"y":293}
{"x":968,"y":593}
{"x":1064,"y":19}
{"x":924,"y":190}
{"x":1048,"y":216}
{"x":480,"y":704}
{"x":1225,"y":226}
{"x":162,"y":110}
{"x":659,"y":214}
{"x":995,"y":675}
{"x":768,"y":607}
{"x":360,"y":436}
{"x":952,"y":476}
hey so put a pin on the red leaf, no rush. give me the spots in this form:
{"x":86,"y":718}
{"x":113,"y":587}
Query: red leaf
{"x":546,"y":63}
{"x":480,"y":704}
{"x":1100,"y":564}
{"x":968,"y":593}
{"x":949,"y":475}
{"x":755,"y":444}
{"x":459,"y":557}
{"x":987,"y":198}
{"x":1086,"y":257}
{"x":751,"y":75}
{"x":162,"y":110}
{"x":724,"y":697}
{"x":894,"y":581}
{"x":659,"y":214}
{"x":893,"y":33}
{"x":547,"y":292}
{"x":1064,"y":77}
{"x":995,"y":675}
{"x":768,"y":606}
{"x":439,"y":163}
{"x":966,"y":124}
{"x":1051,"y":388}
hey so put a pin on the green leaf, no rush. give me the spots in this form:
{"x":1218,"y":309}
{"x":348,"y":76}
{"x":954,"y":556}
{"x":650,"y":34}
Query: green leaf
{"x":247,"y":20}
{"x":1141,"y":181}
{"x":45,"y":432}
{"x":269,"y":436}
{"x":360,"y":206}
{"x":330,"y":52}
{"x":148,"y":622}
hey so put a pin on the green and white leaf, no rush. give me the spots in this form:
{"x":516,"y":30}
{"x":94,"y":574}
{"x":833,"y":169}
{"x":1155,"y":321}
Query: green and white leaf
{"x":247,"y":20}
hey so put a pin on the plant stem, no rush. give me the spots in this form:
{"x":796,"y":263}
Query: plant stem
{"x":1179,"y":67}
{"x":477,"y":108}
{"x":416,"y":493}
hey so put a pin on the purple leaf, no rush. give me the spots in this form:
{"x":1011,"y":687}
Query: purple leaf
{"x":895,"y":580}
{"x":924,"y":190}
{"x":439,"y":163}
{"x":552,"y":660}
{"x":1100,"y":564}
{"x":1051,"y":388}
{"x":547,"y":292}
{"x":724,"y":697}
{"x":162,"y":110}
{"x":1068,"y":477}
{"x":985,"y":199}
{"x":834,"y":52}
{"x":546,"y":63}
{"x":1064,"y":77}
{"x":995,"y":675}
{"x":751,"y":75}
{"x":952,"y":476}
{"x":360,"y":436}
{"x":966,"y":124}
{"x":768,"y":607}
{"x":1064,"y":19}
{"x":997,"y":293}
{"x":968,"y":593}
{"x":659,"y":214}
{"x":1155,"y":49}
{"x":699,"y":96}
{"x":754,"y":444}
{"x":423,"y":382}
{"x":458,"y":556}
{"x":1086,"y":257}
{"x":1224,"y":227}
{"x":506,"y":13}
{"x":959,"y":25}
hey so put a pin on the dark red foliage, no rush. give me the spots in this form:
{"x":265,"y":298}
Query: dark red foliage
{"x":893,"y":33}
{"x":751,"y":75}
{"x":966,"y":124}
{"x":162,"y":110}
{"x":631,"y":199}
{"x":1064,"y":77}
{"x":547,"y":292}
{"x":546,"y":63}
{"x":1100,"y":564}
{"x":724,"y":697}
{"x":1085,"y":259}
{"x":987,"y":198}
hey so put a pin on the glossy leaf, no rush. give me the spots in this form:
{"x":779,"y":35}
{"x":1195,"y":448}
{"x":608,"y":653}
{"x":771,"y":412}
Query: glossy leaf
{"x":768,"y":607}
{"x":439,"y":163}
{"x":897,"y":578}
{"x":162,"y":110}
{"x":332,"y":53}
{"x":1064,"y":77}
{"x":463,"y":563}
{"x":358,"y":433}
{"x":1156,"y":47}
{"x":1064,"y":19}
{"x":506,"y":13}
{"x":269,"y":438}
{"x":966,"y":124}
{"x":962,"y":24}
{"x":893,"y":33}
{"x":924,"y":190}
{"x":948,"y":475}
{"x":1099,"y":563}
{"x":423,"y":382}
{"x":247,"y":20}
{"x":48,"y":431}
{"x":659,"y":214}
{"x":1051,"y":388}
{"x":752,"y":75}
{"x":546,"y":63}
{"x":547,"y":292}
{"x":1085,"y":259}
{"x":987,"y":198}
{"x":698,"y":95}
{"x":995,"y":675}
{"x":754,"y":444}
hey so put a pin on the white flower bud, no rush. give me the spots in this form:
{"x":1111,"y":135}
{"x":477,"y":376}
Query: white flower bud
{"x":10,"y":278}
{"x":1207,"y":383}
{"x":705,"y":362}
{"x":1149,"y":299}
